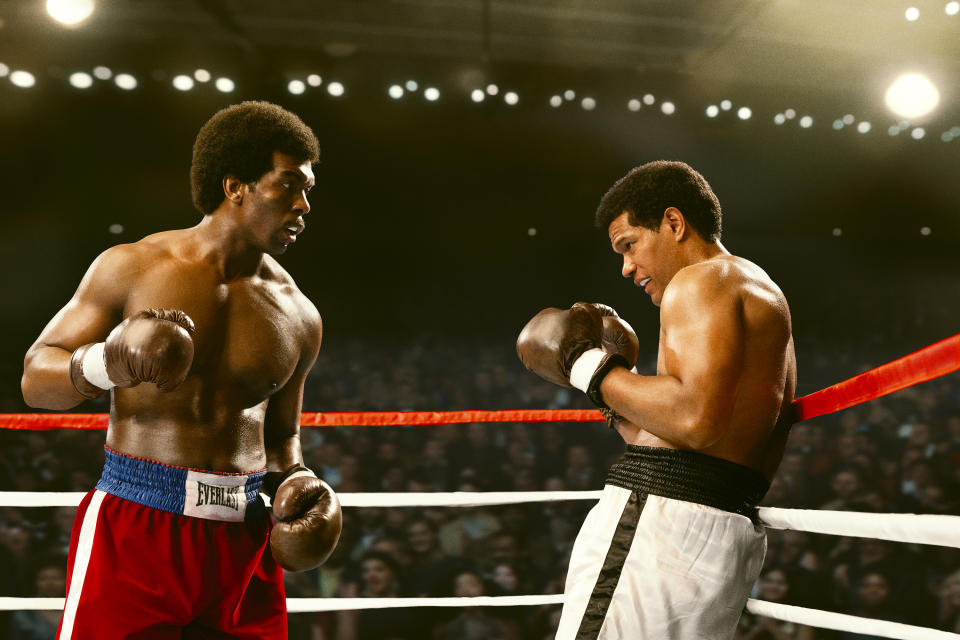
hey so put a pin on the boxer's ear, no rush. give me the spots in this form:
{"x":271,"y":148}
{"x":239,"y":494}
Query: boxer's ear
{"x":674,"y":223}
{"x":234,"y":189}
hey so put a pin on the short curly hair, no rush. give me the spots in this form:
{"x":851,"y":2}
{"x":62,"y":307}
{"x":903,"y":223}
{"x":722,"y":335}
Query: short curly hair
{"x":239,"y":141}
{"x":648,"y":190}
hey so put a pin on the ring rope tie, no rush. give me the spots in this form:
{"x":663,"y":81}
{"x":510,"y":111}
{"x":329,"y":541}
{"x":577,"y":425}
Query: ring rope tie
{"x":936,"y":360}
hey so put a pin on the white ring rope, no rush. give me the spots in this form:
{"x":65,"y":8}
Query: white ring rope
{"x":898,"y":527}
{"x":799,"y":615}
{"x":843,"y":622}
{"x":901,"y":527}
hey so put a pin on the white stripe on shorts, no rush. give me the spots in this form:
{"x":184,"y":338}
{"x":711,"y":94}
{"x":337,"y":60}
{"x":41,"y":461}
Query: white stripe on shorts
{"x":80,"y":563}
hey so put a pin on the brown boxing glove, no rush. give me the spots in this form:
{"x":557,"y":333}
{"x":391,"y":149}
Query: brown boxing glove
{"x":618,"y":336}
{"x":554,"y":338}
{"x":307,"y":521}
{"x":154,"y":345}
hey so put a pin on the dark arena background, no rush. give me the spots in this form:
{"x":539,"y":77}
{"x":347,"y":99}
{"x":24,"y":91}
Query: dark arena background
{"x":464,"y":148}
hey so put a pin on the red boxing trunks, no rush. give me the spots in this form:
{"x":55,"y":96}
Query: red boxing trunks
{"x":160,"y":552}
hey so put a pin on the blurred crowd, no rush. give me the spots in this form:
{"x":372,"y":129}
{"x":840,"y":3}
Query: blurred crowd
{"x":897,"y":454}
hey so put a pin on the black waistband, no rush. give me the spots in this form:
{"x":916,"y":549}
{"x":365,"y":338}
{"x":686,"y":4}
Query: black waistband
{"x":691,"y":477}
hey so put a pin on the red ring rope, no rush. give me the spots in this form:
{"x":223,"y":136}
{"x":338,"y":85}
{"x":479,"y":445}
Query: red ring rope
{"x":928,"y":363}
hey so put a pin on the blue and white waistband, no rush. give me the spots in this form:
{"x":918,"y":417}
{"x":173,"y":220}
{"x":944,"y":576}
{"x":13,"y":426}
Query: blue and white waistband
{"x":232,"y":497}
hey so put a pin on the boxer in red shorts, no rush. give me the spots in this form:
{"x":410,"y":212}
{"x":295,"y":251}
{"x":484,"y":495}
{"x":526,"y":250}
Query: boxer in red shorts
{"x":205,"y":342}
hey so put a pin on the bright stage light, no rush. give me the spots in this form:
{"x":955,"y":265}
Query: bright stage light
{"x":335,"y":89}
{"x":182,"y":83}
{"x":22,"y":79}
{"x":296,"y":87}
{"x":70,"y":12}
{"x":668,"y":108}
{"x":477,"y":95}
{"x":511,"y":98}
{"x":492,"y":89}
{"x":395,"y":91}
{"x":806,"y":122}
{"x":726,"y":105}
{"x":952,"y":8}
{"x":918,"y":133}
{"x":101,"y":72}
{"x":4,"y":70}
{"x":81,"y":80}
{"x":911,"y":14}
{"x":912,"y":95}
{"x":633,"y":104}
{"x":201,"y":75}
{"x":588,"y":104}
{"x":314,"y":80}
{"x":713,"y":111}
{"x":648,"y":99}
{"x":864,"y":127}
{"x":744,"y":113}
{"x":225,"y":85}
{"x":555,"y":101}
{"x":431,"y":93}
{"x":779,"y":119}
{"x":125,"y":81}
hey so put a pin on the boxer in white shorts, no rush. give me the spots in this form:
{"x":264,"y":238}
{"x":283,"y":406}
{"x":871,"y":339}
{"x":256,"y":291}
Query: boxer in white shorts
{"x":673,"y":547}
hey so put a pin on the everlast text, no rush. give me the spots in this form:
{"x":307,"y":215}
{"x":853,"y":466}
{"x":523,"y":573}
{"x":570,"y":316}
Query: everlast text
{"x":208,"y":494}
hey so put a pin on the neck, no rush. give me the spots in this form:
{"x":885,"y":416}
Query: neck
{"x":224,"y":244}
{"x":699,"y":250}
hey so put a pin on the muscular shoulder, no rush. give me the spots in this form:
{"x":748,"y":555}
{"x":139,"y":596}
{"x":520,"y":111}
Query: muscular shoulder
{"x":723,"y":280}
{"x":283,"y":282}
{"x":116,"y":271}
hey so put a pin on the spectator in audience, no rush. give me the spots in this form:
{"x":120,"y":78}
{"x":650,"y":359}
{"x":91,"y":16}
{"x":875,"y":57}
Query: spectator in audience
{"x":949,"y":605}
{"x":775,"y":585}
{"x":474,"y":623}
{"x":49,"y":581}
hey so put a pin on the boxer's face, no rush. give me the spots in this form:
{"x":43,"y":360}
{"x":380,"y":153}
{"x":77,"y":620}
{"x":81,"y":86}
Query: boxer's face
{"x":275,"y":204}
{"x":649,"y":256}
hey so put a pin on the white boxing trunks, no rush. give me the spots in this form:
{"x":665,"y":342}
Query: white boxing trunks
{"x":670,"y":552}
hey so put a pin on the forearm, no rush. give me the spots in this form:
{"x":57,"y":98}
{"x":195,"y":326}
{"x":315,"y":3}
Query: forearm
{"x":281,"y":456}
{"x":46,"y":380}
{"x":661,"y":405}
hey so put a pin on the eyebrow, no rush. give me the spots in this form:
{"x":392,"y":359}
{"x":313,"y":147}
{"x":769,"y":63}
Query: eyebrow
{"x":297,"y":176}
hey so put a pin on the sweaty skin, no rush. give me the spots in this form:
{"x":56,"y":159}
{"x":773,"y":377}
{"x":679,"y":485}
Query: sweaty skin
{"x":726,"y":369}
{"x":256,"y":334}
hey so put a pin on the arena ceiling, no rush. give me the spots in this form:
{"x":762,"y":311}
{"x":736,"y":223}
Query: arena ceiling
{"x":824,"y":49}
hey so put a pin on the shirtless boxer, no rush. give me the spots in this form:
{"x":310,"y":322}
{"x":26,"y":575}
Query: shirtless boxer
{"x":673,"y":547}
{"x":205,"y":342}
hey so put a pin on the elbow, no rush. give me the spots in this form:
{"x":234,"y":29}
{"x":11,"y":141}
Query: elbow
{"x":29,"y":393}
{"x":701,"y":432}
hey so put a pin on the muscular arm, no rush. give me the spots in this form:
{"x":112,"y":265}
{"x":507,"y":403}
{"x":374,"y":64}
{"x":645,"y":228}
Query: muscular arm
{"x":93,"y":311}
{"x":281,"y":428}
{"x":690,"y":401}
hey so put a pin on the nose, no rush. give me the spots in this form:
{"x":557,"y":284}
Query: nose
{"x":302,"y":205}
{"x":628,"y":267}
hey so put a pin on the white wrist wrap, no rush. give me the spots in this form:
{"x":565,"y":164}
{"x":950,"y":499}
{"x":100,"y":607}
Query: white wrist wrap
{"x":95,"y":367}
{"x":584,"y":367}
{"x":298,"y":474}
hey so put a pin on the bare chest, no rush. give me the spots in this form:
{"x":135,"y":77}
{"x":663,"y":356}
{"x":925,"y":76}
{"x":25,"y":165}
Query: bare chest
{"x":249,"y":332}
